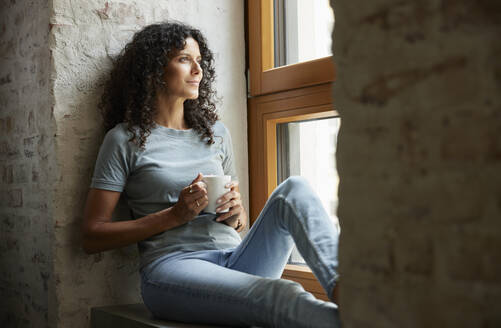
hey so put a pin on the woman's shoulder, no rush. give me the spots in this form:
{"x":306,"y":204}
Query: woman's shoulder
{"x":220,"y":129}
{"x":118,"y":135}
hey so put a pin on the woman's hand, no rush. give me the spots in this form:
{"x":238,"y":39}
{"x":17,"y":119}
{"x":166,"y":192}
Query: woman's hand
{"x":232,"y":200}
{"x":192,"y":200}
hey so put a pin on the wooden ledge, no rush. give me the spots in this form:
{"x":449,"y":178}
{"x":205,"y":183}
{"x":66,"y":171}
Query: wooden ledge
{"x":131,"y":316}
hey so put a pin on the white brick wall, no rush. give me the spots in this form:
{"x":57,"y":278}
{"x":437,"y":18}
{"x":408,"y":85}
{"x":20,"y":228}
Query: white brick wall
{"x":54,"y":58}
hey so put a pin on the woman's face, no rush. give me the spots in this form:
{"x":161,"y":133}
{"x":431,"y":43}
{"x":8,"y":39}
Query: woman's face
{"x":183,"y":72}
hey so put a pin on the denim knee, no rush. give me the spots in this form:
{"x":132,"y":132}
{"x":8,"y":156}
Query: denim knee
{"x":295,"y":194}
{"x":294,"y":183}
{"x":285,"y":303}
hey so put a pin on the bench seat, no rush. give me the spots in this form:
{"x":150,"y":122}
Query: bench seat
{"x":132,"y":316}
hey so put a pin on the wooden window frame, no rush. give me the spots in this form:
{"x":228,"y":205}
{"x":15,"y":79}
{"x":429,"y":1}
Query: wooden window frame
{"x":264,"y":77}
{"x":289,"y":93}
{"x":262,"y":116}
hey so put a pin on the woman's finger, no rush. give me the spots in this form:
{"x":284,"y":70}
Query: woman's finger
{"x":232,"y":184}
{"x":237,"y":209}
{"x":203,"y":202}
{"x":230,"y":204}
{"x":196,"y":205}
{"x":189,"y":198}
{"x":229,"y":196}
{"x":194,"y":191}
{"x":194,"y":187}
{"x":242,"y":226}
{"x":198,"y":178}
{"x":226,"y":216}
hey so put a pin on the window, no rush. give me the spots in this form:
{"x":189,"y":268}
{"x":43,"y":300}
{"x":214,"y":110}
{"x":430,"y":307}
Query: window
{"x":264,"y":76}
{"x":302,"y":30}
{"x":308,"y":149}
{"x":284,"y":97}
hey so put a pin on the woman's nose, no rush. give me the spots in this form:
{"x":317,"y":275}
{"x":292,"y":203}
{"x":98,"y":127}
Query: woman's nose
{"x":196,"y":68}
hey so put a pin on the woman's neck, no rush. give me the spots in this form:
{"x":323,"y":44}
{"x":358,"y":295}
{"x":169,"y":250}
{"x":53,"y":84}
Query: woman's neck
{"x":170,"y":113}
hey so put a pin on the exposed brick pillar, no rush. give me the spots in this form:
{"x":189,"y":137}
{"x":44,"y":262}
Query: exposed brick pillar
{"x":419,"y":158}
{"x":26,"y":165}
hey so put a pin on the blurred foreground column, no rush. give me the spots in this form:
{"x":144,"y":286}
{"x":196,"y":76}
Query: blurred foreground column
{"x":419,"y":159}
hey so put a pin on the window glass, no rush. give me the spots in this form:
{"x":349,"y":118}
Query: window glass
{"x":302,"y":30}
{"x":308,"y":149}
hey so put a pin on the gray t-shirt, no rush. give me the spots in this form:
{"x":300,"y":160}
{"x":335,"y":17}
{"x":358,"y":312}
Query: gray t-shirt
{"x":151,"y":180}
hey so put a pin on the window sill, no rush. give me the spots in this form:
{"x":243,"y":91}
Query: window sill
{"x":304,"y":276}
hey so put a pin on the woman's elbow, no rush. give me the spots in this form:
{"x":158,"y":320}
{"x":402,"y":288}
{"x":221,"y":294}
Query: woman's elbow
{"x":89,"y":247}
{"x":89,"y":241}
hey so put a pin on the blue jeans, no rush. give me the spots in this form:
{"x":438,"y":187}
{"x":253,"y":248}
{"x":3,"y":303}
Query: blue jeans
{"x":241,"y":286}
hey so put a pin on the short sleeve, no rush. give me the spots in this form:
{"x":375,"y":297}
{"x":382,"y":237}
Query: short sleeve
{"x":228,"y":161}
{"x":112,"y":165}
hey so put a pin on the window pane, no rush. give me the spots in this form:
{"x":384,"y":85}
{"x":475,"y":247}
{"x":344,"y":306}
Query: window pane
{"x":302,"y":30}
{"x":308,"y":149}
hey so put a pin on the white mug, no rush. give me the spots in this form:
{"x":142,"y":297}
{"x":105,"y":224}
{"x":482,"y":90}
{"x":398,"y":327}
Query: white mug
{"x":216,"y":188}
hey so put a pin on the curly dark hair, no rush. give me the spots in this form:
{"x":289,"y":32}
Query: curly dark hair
{"x":138,"y":74}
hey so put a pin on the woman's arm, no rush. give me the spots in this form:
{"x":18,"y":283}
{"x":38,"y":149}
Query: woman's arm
{"x":100,"y":233}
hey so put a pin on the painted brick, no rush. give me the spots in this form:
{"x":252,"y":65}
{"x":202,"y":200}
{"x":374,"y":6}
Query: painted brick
{"x":24,"y":103}
{"x":472,"y":256}
{"x":8,"y":151}
{"x":31,"y":122}
{"x":14,"y":198}
{"x":54,"y":91}
{"x":7,"y":223}
{"x":29,"y":146}
{"x":7,"y":175}
{"x":6,"y":125}
{"x":21,"y":173}
{"x":415,"y":254}
{"x":34,"y":173}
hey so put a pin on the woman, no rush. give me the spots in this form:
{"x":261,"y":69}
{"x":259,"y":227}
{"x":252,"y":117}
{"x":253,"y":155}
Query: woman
{"x":163,"y":130}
